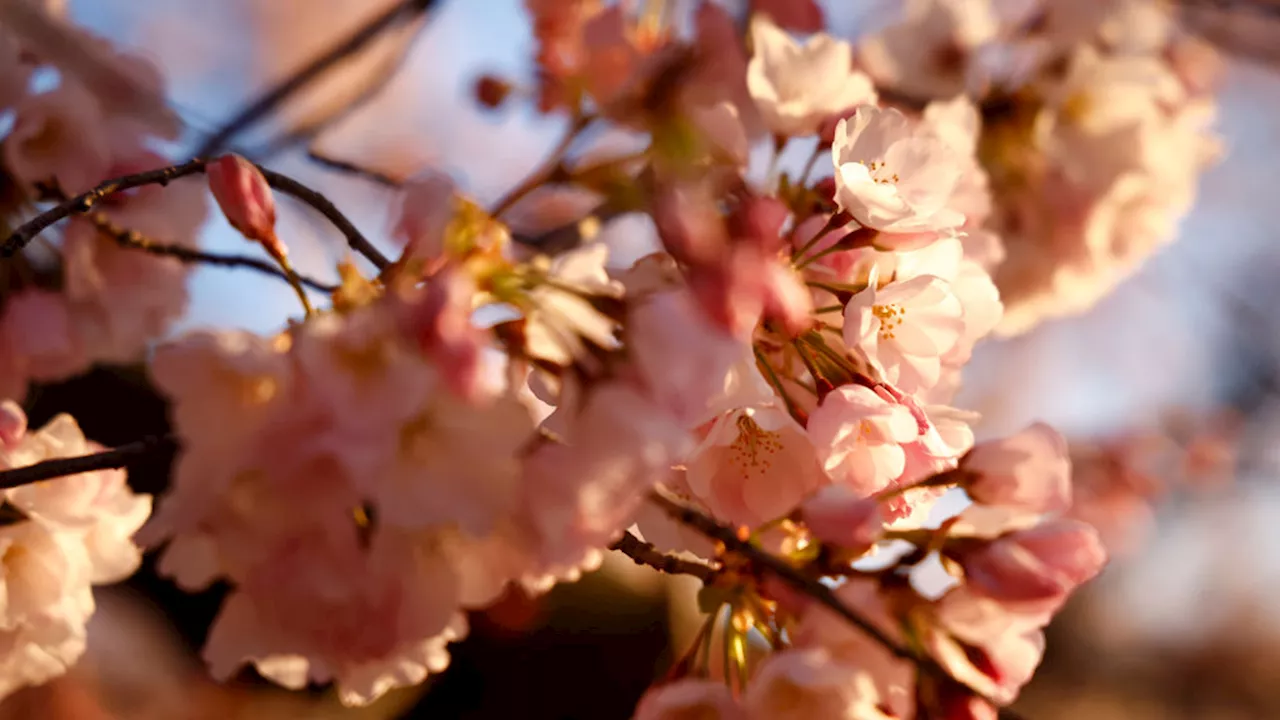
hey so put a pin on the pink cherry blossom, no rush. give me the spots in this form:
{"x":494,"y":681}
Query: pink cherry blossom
{"x":13,"y":423}
{"x":668,"y":325}
{"x":304,"y":616}
{"x":689,"y":698}
{"x":860,"y":436}
{"x":894,"y":176}
{"x":802,"y":684}
{"x":991,"y":647}
{"x":797,"y":86}
{"x":905,"y":328}
{"x":755,"y":464}
{"x":1029,"y":471}
{"x":440,"y":320}
{"x":1039,"y":563}
{"x":58,"y":137}
{"x":426,"y":205}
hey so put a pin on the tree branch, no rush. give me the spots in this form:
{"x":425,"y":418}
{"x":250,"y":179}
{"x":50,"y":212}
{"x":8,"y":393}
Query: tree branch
{"x":85,"y":202}
{"x":644,"y":553}
{"x":111,"y":458}
{"x":347,"y":167}
{"x":727,"y":536}
{"x":136,"y":241}
{"x":274,"y":97}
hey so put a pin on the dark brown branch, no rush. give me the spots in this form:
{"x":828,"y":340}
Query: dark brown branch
{"x":134,"y":240}
{"x":274,"y":97}
{"x":347,"y":167}
{"x":116,"y":457}
{"x":85,"y":202}
{"x":811,"y":587}
{"x":644,"y":553}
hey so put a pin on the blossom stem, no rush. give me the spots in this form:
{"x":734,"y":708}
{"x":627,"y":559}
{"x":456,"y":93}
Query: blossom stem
{"x":551,"y":168}
{"x":644,"y":553}
{"x":85,"y":202}
{"x":809,"y":165}
{"x":116,"y":457}
{"x":772,"y":375}
{"x":812,"y":587}
{"x":277,"y":95}
{"x":134,"y":240}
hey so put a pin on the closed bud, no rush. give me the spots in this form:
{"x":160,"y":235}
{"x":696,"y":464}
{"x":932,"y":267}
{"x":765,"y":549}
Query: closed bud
{"x":13,"y":422}
{"x":491,"y":91}
{"x":246,"y":200}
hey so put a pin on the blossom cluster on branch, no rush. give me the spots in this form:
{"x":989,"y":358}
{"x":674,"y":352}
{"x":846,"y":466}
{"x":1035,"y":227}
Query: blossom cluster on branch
{"x":761,"y":400}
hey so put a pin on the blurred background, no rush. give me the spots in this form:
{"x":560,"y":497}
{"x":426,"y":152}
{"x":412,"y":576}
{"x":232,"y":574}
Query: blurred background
{"x":1168,"y":390}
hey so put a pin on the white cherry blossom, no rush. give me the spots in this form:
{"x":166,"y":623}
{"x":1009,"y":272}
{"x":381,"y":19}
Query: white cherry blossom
{"x":894,"y":175}
{"x":798,"y":86}
{"x":905,"y":328}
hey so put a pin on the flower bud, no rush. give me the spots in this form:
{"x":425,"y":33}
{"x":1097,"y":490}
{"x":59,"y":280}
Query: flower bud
{"x":1029,"y":471}
{"x":13,"y":422}
{"x":246,"y":200}
{"x":491,"y":91}
{"x":1044,"y":562}
{"x":838,"y":516}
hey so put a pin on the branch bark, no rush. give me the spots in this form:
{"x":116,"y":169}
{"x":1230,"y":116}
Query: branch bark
{"x":85,"y":202}
{"x":111,"y":458}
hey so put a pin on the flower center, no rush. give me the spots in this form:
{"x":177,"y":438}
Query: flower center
{"x":754,"y":448}
{"x":880,"y":173}
{"x":890,"y":316}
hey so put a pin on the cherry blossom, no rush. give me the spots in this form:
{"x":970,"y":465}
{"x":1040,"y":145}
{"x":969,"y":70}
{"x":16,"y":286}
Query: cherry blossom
{"x":860,"y":437}
{"x":892,"y":175}
{"x":687,"y":698}
{"x":798,"y":86}
{"x":905,"y":328}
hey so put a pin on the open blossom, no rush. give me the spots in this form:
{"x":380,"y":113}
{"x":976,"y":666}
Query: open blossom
{"x":860,"y":437}
{"x":991,"y":647}
{"x":755,"y":464}
{"x":905,"y":328}
{"x":562,"y":316}
{"x":894,"y":175}
{"x":76,"y":531}
{"x":797,"y":86}
{"x":304,"y":615}
{"x":58,"y":137}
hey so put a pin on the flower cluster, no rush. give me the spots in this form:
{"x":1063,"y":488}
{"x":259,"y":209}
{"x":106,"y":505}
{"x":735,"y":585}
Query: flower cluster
{"x":1095,"y":120}
{"x":83,"y":112}
{"x":774,"y":373}
{"x":57,"y":538}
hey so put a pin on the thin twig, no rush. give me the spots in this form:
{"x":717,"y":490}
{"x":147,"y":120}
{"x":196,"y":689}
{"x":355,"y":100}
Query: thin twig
{"x":274,"y":97}
{"x":85,"y":202}
{"x":811,"y":587}
{"x":355,"y":239}
{"x":111,"y":458}
{"x":547,"y":171}
{"x":644,"y":553}
{"x":136,"y":241}
{"x":347,"y":167}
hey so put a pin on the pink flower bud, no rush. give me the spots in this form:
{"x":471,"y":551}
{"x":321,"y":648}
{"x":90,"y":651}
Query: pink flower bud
{"x":246,"y":200}
{"x":1029,"y":471}
{"x":13,"y":422}
{"x":839,"y":516}
{"x":1045,"y":562}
